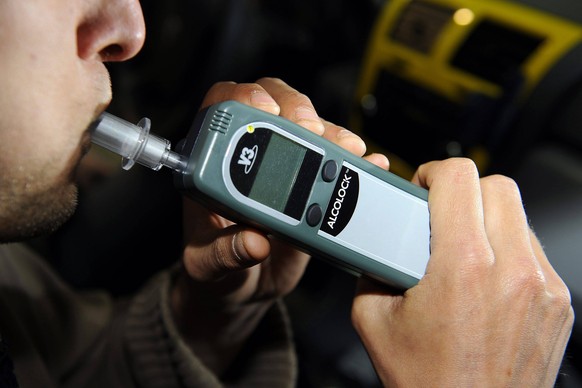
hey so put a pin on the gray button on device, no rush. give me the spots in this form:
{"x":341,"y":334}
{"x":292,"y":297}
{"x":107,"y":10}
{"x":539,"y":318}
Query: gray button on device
{"x":329,"y":171}
{"x":314,"y":215}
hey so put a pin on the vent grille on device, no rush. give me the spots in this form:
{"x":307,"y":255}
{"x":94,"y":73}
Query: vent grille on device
{"x":221,"y":121}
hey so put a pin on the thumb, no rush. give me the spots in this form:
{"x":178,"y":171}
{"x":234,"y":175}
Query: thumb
{"x":234,"y":249}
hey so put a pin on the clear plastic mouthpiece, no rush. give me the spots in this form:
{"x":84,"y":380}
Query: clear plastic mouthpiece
{"x":135,"y":143}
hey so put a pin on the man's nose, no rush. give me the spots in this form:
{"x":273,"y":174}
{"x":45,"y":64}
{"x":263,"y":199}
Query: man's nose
{"x":113,"y":31}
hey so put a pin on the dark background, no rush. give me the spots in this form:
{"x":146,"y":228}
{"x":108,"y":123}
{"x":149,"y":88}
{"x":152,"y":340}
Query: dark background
{"x":128,"y":223}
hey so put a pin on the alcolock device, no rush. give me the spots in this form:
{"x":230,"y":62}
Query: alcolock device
{"x":262,"y":170}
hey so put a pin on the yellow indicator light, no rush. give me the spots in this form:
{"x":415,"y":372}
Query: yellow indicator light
{"x":464,"y":17}
{"x":250,"y":129}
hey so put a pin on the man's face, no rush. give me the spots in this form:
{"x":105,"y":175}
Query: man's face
{"x":53,"y":84}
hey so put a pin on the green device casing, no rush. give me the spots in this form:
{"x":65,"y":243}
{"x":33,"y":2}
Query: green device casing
{"x":267,"y":172}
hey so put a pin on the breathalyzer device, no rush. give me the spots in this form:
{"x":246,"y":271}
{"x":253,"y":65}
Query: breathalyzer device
{"x":267,"y":172}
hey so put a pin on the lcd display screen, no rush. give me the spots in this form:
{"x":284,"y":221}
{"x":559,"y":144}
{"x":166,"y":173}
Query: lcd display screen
{"x":275,"y":171}
{"x":278,"y":172}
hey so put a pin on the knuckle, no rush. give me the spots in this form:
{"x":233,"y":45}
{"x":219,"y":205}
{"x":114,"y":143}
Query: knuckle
{"x":460,"y":165}
{"x":501,"y":183}
{"x":501,"y":180}
{"x":571,"y":315}
{"x":274,"y":80}
{"x":477,"y":260}
{"x":452,"y":170}
{"x":563,"y":300}
{"x":459,"y":169}
{"x":561,"y":305}
{"x":530,"y":282}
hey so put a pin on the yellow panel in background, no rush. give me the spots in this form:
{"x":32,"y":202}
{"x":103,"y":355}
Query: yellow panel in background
{"x":429,"y":66}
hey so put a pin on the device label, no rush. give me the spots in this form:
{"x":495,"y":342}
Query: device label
{"x":247,"y":158}
{"x":343,"y":202}
{"x":388,"y":224}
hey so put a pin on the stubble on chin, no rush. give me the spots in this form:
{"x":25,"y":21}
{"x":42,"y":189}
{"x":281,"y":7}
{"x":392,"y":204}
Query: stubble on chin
{"x":29,"y":215}
{"x":34,"y":204}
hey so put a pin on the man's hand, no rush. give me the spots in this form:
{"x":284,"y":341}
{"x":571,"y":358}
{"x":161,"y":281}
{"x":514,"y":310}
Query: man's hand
{"x":490,"y":311}
{"x":233,"y":273}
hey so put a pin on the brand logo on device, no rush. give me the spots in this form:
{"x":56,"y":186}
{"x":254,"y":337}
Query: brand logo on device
{"x":343,"y":203}
{"x":247,"y":158}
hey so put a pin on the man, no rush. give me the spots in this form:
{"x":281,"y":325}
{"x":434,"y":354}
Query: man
{"x":490,"y":310}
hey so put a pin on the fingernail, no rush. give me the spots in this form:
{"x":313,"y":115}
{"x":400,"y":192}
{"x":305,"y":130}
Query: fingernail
{"x":303,"y":113}
{"x":355,"y":139}
{"x":234,"y":243}
{"x":264,"y":100}
{"x":345,"y":133}
{"x":311,"y":119}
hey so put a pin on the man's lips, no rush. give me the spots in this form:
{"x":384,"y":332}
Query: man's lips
{"x":86,"y":137}
{"x":85,"y":144}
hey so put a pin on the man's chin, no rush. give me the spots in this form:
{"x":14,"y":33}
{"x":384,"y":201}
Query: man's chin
{"x":41,"y":217}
